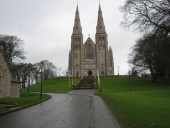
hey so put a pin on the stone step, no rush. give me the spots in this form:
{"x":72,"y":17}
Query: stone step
{"x":86,"y":83}
{"x":9,"y":105}
{"x":85,"y":86}
{"x":77,"y":88}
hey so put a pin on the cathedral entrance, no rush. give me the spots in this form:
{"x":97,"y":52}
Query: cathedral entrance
{"x":89,"y":73}
{"x":102,"y":73}
{"x":77,"y":74}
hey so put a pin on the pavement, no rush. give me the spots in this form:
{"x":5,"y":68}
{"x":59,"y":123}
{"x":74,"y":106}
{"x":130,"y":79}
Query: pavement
{"x":103,"y":117}
{"x":76,"y":109}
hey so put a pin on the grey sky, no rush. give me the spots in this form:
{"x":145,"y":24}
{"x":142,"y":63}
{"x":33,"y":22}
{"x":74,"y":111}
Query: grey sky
{"x":46,"y":27}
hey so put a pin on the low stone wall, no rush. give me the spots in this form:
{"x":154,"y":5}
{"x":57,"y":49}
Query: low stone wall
{"x":15,"y":89}
{"x":5,"y":84}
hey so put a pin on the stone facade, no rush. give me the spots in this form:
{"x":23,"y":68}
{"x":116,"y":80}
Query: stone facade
{"x":89,"y":58}
{"x":7,"y":87}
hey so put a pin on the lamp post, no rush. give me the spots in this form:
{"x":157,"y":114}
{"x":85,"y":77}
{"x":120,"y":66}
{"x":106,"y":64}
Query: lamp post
{"x":72,"y":79}
{"x":129,"y":81}
{"x":29,"y":83}
{"x":69,"y":78}
{"x":41,"y":85}
{"x":41,"y":79}
{"x":59,"y":72}
{"x":118,"y":70}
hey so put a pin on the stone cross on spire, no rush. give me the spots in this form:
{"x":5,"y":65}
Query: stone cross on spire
{"x":100,"y":28}
{"x":77,"y":29}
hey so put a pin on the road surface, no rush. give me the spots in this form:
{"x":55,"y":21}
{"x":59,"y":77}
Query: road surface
{"x":76,"y":109}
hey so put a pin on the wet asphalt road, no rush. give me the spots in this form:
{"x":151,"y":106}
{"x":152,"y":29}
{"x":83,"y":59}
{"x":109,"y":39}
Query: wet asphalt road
{"x":72,"y":110}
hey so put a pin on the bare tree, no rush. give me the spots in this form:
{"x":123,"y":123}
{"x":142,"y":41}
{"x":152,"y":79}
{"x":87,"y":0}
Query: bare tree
{"x":12,"y":49}
{"x":147,"y":15}
{"x":48,"y":69}
{"x":152,"y":52}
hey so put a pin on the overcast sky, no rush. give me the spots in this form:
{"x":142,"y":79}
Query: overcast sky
{"x":46,"y":27}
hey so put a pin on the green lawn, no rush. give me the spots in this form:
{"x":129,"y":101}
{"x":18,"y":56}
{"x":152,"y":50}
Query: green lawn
{"x":55,"y":85}
{"x":146,"y":106}
{"x":25,"y":99}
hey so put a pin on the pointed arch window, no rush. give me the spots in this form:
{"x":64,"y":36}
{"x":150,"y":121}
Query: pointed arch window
{"x":89,"y":52}
{"x":77,"y":39}
{"x":102,"y":67}
{"x":101,"y":40}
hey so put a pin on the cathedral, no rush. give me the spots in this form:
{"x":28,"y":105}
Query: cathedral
{"x":90,"y":58}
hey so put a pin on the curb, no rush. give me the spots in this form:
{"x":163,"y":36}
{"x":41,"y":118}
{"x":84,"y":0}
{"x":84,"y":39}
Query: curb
{"x":92,"y":114}
{"x":23,"y":107}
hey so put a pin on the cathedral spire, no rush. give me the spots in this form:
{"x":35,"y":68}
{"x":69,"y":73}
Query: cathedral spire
{"x":77,"y":29}
{"x":100,"y":28}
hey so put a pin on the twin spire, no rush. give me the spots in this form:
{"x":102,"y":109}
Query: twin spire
{"x":77,"y":29}
{"x":100,"y":28}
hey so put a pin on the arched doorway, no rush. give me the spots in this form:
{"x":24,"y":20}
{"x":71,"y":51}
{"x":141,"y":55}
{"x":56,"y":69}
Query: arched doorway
{"x":102,"y":73}
{"x":90,"y":73}
{"x":77,"y":74}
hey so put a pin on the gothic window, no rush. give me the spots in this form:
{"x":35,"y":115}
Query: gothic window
{"x":101,"y":42}
{"x":77,"y":43}
{"x":77,"y":39}
{"x":89,"y":52}
{"x":102,"y":67}
{"x":100,"y":28}
{"x":102,"y":38}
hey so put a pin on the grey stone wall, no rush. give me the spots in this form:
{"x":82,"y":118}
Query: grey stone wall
{"x":5,"y":80}
{"x":15,"y":90}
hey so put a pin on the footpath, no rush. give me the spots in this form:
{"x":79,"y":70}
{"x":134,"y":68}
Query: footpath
{"x":101,"y":116}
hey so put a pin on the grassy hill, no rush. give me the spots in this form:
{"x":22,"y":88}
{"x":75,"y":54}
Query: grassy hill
{"x":146,"y":106}
{"x":124,"y":83}
{"x":55,"y":85}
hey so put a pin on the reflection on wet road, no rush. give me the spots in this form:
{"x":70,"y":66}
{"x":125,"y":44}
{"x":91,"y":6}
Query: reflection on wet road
{"x":72,"y":110}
